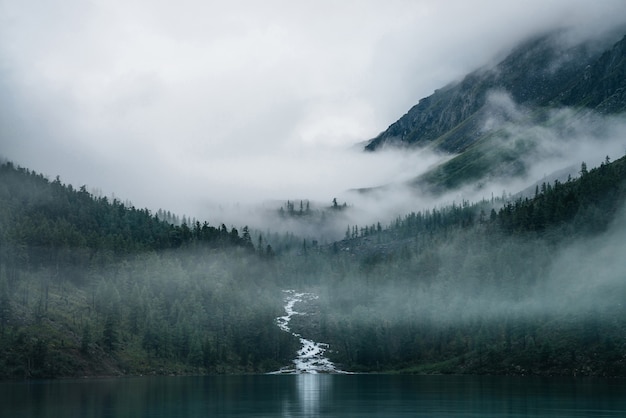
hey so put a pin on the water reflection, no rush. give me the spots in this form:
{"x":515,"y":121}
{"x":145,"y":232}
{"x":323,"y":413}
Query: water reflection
{"x":319,"y":395}
{"x":312,"y":389}
{"x":311,"y":394}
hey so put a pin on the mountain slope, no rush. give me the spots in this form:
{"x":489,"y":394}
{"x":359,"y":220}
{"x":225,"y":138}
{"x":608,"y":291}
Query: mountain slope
{"x":472,"y":118}
{"x":602,"y":86}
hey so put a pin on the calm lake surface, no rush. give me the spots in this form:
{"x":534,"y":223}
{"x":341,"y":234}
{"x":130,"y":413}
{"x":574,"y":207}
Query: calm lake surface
{"x":308,"y":395}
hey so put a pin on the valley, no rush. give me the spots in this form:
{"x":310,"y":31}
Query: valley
{"x":524,"y":281}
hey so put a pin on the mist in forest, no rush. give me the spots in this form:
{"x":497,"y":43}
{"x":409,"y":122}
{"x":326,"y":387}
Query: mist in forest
{"x":477,"y":283}
{"x":377,"y":187}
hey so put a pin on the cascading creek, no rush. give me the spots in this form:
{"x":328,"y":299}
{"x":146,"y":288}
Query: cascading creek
{"x":310,"y":358}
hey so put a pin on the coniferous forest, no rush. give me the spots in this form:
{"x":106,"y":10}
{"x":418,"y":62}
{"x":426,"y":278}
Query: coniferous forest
{"x":91,"y":286}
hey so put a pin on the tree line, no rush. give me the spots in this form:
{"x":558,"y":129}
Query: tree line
{"x":94,"y":286}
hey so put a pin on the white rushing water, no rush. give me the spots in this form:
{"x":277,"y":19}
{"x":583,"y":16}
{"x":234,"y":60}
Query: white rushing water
{"x":310,"y":358}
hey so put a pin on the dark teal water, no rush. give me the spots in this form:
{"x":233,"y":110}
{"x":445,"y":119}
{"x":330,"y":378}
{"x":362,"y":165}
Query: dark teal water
{"x":315,"y":395}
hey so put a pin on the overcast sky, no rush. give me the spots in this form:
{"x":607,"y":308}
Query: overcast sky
{"x":187,"y":104}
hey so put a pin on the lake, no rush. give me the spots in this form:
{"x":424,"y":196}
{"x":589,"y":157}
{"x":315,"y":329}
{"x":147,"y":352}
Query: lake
{"x":310,"y":395}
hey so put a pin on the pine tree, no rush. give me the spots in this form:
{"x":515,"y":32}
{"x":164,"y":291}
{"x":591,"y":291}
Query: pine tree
{"x":109,"y":334}
{"x":85,"y":340}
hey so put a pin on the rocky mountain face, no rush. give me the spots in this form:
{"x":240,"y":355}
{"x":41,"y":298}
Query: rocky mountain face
{"x":475,"y":117}
{"x":602,"y":85}
{"x":540,"y":74}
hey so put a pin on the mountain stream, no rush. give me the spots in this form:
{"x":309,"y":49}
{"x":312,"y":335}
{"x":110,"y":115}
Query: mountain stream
{"x":310,"y":358}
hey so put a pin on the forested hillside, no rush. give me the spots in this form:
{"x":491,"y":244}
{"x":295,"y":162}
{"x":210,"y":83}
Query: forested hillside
{"x":527,"y":285}
{"x":90,"y":286}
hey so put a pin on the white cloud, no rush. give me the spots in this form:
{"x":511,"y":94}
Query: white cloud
{"x":172,"y":104}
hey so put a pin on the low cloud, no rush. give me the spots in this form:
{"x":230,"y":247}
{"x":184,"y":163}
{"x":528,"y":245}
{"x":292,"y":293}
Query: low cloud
{"x":549,"y":146}
{"x":191,"y":105}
